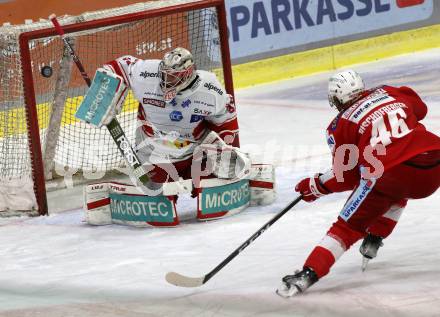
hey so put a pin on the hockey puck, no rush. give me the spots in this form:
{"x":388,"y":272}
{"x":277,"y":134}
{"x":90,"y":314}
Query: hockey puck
{"x":46,"y":71}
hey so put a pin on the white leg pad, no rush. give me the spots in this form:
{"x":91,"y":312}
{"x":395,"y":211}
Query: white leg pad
{"x":219,"y":198}
{"x":97,"y":204}
{"x":262,"y":184}
{"x":107,"y":203}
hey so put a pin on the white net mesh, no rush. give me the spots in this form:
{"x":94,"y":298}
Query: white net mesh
{"x":66,"y":143}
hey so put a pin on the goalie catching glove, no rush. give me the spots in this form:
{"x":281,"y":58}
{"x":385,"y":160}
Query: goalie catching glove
{"x":225,"y":161}
{"x":104,"y":99}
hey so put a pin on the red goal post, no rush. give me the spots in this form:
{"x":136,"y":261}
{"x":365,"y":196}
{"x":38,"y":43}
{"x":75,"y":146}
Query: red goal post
{"x":39,"y":137}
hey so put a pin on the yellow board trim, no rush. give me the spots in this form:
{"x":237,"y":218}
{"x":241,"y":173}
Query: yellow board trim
{"x":336,"y":56}
{"x":13,"y":122}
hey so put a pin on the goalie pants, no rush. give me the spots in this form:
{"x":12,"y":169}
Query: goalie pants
{"x":170,"y":172}
{"x":379,"y":210}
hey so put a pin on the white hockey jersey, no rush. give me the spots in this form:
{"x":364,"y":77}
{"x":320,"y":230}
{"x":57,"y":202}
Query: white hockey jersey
{"x":169,"y":131}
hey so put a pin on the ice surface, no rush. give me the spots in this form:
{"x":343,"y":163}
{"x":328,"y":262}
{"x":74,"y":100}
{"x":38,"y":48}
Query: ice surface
{"x":59,"y":266}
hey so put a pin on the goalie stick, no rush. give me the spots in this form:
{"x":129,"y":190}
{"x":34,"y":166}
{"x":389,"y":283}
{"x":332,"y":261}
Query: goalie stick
{"x":113,"y":127}
{"x":186,"y":281}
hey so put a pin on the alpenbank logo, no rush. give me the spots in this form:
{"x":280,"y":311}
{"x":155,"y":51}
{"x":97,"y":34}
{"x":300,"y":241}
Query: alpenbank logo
{"x":210,"y":86}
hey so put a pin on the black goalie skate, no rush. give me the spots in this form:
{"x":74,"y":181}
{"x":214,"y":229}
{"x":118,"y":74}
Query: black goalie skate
{"x":369,"y":248}
{"x":297,"y":283}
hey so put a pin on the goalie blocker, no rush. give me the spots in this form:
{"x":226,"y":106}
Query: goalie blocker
{"x":104,"y":99}
{"x":107,"y":203}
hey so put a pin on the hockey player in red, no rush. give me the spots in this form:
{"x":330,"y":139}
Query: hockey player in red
{"x":384,"y":155}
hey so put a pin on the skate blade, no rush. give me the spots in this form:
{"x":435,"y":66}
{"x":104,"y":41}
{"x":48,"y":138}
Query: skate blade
{"x":365,"y":263}
{"x":287,"y":292}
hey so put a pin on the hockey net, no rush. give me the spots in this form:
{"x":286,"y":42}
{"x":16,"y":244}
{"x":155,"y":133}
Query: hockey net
{"x":40,"y":138}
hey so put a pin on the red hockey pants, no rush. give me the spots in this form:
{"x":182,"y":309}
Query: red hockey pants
{"x":378,"y":209}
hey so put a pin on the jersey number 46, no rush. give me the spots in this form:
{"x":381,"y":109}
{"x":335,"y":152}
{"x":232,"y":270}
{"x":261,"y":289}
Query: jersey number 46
{"x":399,"y":128}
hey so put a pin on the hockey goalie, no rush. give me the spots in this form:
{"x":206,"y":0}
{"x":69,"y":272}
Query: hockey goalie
{"x":187,"y":139}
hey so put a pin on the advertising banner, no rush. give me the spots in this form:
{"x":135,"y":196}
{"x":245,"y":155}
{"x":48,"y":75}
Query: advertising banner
{"x":262,"y":26}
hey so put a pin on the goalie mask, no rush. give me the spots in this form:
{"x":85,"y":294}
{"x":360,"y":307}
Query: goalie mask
{"x":343,"y":88}
{"x":176,"y":72}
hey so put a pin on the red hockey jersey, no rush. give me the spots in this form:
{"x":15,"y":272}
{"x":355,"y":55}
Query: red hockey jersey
{"x":379,"y":131}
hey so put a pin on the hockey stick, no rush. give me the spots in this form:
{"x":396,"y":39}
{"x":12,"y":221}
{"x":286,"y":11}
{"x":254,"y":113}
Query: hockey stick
{"x":186,"y":281}
{"x":113,"y":127}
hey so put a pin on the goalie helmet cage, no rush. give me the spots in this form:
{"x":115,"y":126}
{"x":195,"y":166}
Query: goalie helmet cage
{"x":39,"y":136}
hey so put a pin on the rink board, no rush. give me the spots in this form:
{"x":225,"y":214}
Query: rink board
{"x":336,"y":56}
